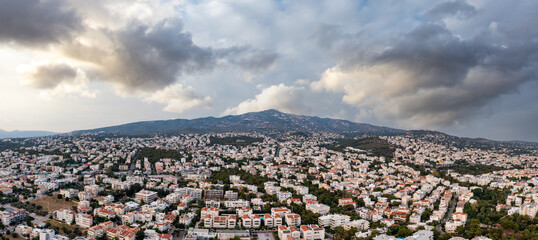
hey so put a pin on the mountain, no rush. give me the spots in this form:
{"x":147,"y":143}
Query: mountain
{"x":462,"y":142}
{"x":264,"y":121}
{"x":24,"y":134}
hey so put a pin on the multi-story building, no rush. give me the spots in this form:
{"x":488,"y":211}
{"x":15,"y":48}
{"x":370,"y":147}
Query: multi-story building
{"x":280,"y":210}
{"x":121,"y":232}
{"x":282,"y":196}
{"x":251,"y":221}
{"x":196,"y":193}
{"x":228,"y":221}
{"x":84,"y":220}
{"x":312,"y":232}
{"x":12,"y":215}
{"x":318,"y":208}
{"x":210,"y":211}
{"x":99,"y":230}
{"x":66,"y":215}
{"x":272,"y":220}
{"x":236,"y":203}
{"x":346,"y":202}
{"x":93,"y":189}
{"x":231,"y":195}
{"x":46,"y":234}
{"x":287,"y":232}
{"x":333,"y":220}
{"x":214,"y":194}
{"x":145,"y":196}
{"x":293,"y":219}
{"x":360,"y":225}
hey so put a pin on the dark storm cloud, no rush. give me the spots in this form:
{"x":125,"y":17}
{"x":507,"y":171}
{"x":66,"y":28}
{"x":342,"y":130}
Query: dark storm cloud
{"x":33,"y":22}
{"x":434,"y":57}
{"x":453,"y":8}
{"x":154,"y":56}
{"x":50,"y":75}
{"x":137,"y":56}
{"x":151,"y":57}
{"x":432,"y":77}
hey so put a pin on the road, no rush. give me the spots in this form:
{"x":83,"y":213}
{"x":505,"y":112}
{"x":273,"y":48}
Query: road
{"x":449,"y":215}
{"x":451,"y":210}
{"x":133,"y":163}
{"x":39,"y":218}
{"x":277,"y":150}
{"x":181,"y":234}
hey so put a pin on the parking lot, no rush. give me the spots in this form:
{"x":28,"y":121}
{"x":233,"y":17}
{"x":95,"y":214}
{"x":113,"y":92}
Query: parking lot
{"x":266,"y":236}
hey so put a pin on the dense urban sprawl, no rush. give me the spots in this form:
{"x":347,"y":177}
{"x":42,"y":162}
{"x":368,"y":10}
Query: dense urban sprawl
{"x":265,"y":186}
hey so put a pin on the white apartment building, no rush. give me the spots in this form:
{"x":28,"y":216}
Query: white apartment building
{"x":66,"y":215}
{"x":12,"y":215}
{"x":145,"y":196}
{"x":312,"y":232}
{"x":228,"y":221}
{"x":293,"y":219}
{"x":236,"y":203}
{"x":84,"y":220}
{"x":360,"y":224}
{"x":318,"y":208}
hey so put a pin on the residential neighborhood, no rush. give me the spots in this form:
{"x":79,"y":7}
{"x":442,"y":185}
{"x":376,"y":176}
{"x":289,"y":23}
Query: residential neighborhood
{"x":254,"y":186}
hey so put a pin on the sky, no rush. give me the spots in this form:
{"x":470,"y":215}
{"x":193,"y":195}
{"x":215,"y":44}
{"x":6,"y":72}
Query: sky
{"x":468,"y":68}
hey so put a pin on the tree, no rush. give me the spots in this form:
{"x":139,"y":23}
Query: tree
{"x":77,"y":231}
{"x":140,"y":235}
{"x":403,"y":232}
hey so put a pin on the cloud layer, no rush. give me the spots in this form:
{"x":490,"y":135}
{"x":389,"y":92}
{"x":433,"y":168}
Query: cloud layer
{"x":34,"y":22}
{"x":409,"y":64}
{"x":430,"y":76}
{"x":136,"y":57}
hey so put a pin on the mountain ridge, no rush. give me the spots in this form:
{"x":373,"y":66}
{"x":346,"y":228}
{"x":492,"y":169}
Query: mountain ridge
{"x":272,"y":120}
{"x":267,"y":120}
{"x":24,"y":134}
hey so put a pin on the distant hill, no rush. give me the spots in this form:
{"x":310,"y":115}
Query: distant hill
{"x":24,"y":134}
{"x":264,"y":121}
{"x":461,"y":142}
{"x":273,"y":121}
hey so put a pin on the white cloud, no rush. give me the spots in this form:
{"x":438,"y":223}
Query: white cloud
{"x":179,"y":99}
{"x":56,"y":79}
{"x":280,"y":97}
